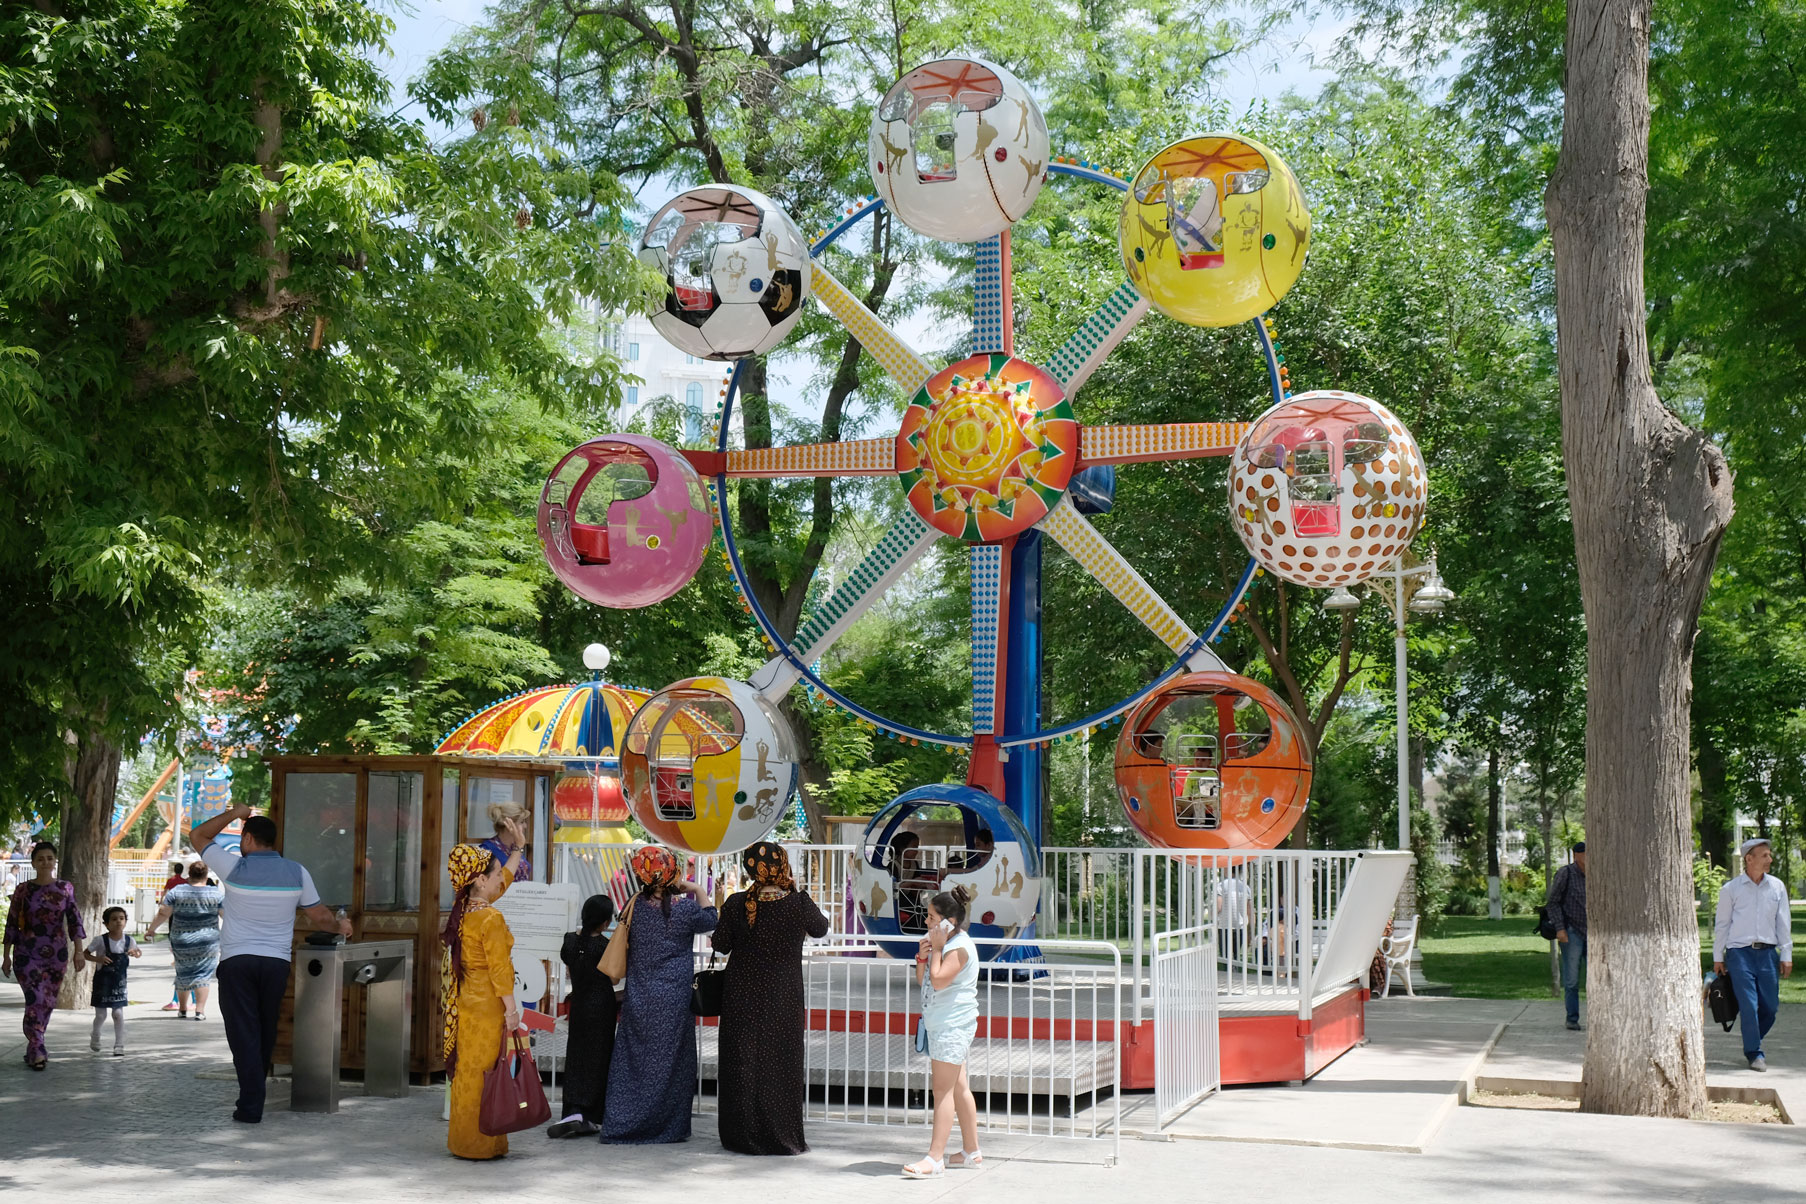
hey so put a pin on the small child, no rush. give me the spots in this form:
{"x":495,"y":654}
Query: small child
{"x":109,"y":951}
{"x":590,"y":1039}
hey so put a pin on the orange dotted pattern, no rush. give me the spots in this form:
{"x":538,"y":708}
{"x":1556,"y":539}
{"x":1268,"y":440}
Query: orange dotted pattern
{"x":853,"y":458}
{"x":1372,"y":513}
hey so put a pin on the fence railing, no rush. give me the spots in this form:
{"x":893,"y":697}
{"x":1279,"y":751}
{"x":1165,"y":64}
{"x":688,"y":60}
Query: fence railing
{"x":1044,"y":1063}
{"x":1187,"y":1062}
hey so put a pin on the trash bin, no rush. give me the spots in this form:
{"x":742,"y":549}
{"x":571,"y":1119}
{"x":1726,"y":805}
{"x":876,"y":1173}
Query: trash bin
{"x":385,"y":970}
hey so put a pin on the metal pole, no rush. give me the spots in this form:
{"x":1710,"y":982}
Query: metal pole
{"x":1404,"y":726}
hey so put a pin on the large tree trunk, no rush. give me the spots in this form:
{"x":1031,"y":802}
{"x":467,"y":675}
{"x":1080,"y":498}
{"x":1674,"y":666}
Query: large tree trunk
{"x":1650,"y":499}
{"x":93,"y":768}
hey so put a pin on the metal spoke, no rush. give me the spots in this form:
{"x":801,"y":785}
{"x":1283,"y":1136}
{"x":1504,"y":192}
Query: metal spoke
{"x":851,"y":458}
{"x":1094,"y":554}
{"x":1158,"y":441}
{"x":900,"y":547}
{"x":987,"y":621}
{"x":1073,"y":364}
{"x":897,"y":357}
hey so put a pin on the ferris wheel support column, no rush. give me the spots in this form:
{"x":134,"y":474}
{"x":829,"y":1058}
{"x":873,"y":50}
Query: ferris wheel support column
{"x":1025,"y":773}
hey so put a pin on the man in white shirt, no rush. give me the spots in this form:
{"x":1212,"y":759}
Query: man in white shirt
{"x":1753,"y":936}
{"x":257,"y":935}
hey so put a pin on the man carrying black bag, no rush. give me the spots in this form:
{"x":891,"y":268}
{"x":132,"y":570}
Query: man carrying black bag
{"x":1567,"y":914}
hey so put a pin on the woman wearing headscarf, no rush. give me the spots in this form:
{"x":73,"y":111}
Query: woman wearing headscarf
{"x":43,"y":933}
{"x":653,"y":1074}
{"x":762,"y":1010}
{"x":476,"y":991}
{"x":590,"y":1038}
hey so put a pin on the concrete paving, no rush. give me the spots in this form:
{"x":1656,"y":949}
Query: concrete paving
{"x":1394,"y":1093}
{"x":1536,"y":1047}
{"x":100,"y":1130}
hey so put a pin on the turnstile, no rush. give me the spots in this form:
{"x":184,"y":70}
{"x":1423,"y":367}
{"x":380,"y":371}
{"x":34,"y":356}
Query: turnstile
{"x":385,"y":969}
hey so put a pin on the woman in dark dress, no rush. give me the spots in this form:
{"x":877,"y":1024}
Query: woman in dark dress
{"x":590,"y":1043}
{"x":763,"y":1013}
{"x":652,"y":1076}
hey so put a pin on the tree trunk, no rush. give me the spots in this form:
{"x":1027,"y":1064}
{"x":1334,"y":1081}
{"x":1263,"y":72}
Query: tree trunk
{"x":1650,"y":500}
{"x":1495,"y":902}
{"x":93,"y":769}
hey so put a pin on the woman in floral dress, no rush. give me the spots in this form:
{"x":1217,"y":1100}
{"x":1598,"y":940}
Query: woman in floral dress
{"x":43,"y":934}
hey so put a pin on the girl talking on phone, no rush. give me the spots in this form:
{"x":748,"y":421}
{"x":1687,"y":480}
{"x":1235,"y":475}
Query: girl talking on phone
{"x":947,"y":968}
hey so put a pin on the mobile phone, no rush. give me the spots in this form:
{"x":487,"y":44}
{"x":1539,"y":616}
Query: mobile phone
{"x":946,"y":926}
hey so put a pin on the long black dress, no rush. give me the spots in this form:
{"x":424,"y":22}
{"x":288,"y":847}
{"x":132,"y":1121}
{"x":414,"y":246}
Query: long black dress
{"x":763,"y":1020}
{"x":590,"y":1045}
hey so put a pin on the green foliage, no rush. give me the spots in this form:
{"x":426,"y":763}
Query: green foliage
{"x":244,"y":312}
{"x":1708,"y":880}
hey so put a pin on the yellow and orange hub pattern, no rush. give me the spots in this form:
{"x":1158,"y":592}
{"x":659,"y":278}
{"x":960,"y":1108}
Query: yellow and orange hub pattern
{"x":987,"y":447}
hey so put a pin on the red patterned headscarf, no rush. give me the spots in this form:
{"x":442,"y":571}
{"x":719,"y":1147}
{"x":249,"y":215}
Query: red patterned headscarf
{"x":767,"y":865}
{"x":654,"y":865}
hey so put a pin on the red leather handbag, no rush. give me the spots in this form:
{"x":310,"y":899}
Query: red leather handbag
{"x":512,"y":1096}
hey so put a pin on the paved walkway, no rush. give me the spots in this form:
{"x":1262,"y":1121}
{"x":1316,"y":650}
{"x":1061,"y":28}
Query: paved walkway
{"x":101,"y":1130}
{"x":1537,"y":1047}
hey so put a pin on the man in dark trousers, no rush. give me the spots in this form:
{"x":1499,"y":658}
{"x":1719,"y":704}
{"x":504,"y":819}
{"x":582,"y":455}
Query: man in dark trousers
{"x":257,"y":937}
{"x":1752,"y":940}
{"x":1568,"y":909}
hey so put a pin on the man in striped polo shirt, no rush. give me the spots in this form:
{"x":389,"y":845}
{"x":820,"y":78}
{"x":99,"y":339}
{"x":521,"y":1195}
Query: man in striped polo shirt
{"x":257,"y":937}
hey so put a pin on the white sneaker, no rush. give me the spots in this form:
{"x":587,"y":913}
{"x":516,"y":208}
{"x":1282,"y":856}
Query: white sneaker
{"x":94,"y":1044}
{"x":119,"y":1051}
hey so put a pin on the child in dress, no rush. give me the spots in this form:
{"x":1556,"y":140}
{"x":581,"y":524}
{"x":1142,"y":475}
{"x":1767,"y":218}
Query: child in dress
{"x":947,"y":968}
{"x":109,"y":952}
{"x":590,"y":1043}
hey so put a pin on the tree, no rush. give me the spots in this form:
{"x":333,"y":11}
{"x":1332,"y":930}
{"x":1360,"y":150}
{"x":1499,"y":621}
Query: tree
{"x":1651,"y":498}
{"x":235,"y":297}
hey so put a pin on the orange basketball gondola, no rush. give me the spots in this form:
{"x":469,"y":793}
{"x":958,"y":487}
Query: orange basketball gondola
{"x":1213,"y":761}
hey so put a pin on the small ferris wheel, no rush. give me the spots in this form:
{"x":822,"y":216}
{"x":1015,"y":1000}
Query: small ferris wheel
{"x":1324,"y":489}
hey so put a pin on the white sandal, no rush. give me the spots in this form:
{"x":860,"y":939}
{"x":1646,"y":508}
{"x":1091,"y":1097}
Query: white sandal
{"x":971,"y":1158}
{"x":935,"y":1169}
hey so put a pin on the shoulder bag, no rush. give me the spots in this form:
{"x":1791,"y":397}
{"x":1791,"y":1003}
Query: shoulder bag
{"x":614,"y":958}
{"x":512,"y":1096}
{"x":707,"y":990}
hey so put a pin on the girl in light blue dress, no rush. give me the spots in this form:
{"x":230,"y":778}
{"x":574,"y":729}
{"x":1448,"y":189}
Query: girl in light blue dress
{"x":947,"y":968}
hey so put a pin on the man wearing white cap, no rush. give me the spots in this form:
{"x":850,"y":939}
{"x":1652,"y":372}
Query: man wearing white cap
{"x":1754,"y":932}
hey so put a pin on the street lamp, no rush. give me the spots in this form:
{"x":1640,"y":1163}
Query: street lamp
{"x":1429,"y":599}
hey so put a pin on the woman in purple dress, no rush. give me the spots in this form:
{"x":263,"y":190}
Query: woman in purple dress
{"x":43,"y":934}
{"x":652,"y":1075}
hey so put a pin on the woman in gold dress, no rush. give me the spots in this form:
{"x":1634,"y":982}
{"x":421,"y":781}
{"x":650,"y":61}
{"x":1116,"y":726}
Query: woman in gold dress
{"x":477,"y":991}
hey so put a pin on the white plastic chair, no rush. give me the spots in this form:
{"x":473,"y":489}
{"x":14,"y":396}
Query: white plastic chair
{"x":1396,"y":949}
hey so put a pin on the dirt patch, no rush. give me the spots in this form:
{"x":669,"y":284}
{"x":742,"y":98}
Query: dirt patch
{"x":1718,"y":1111}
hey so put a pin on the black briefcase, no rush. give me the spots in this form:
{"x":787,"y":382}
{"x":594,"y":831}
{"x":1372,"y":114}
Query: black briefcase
{"x":1721,"y":1001}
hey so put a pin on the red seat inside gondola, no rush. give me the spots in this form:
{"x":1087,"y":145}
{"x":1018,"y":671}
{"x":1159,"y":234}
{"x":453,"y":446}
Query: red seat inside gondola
{"x":591,"y":543}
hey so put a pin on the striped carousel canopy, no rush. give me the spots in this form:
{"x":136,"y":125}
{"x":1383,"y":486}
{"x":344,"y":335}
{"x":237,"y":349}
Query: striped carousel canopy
{"x":554,"y":722}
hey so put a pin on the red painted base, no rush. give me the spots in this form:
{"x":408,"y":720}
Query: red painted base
{"x":1262,"y":1049}
{"x":1254,"y":1049}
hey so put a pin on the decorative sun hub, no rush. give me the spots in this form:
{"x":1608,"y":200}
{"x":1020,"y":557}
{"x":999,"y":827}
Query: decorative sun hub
{"x":987,"y":447}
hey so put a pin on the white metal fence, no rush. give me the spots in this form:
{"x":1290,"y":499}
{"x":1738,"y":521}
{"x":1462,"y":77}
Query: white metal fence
{"x":1045,"y":1061}
{"x":1272,"y":908}
{"x":1187,"y":1066}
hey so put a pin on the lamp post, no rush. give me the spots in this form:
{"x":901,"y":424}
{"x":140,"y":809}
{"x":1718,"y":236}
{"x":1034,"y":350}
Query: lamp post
{"x":1429,"y":599}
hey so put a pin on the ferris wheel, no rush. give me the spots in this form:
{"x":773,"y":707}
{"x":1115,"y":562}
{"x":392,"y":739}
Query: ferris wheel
{"x":1325,"y":488}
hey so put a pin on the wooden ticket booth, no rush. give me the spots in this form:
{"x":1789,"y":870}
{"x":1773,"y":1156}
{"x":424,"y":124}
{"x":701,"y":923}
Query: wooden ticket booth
{"x":374,"y":832}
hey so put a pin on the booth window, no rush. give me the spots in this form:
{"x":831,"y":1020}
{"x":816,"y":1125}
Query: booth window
{"x":392,"y":822}
{"x":319,"y":818}
{"x":485,"y":792}
{"x":448,"y":833}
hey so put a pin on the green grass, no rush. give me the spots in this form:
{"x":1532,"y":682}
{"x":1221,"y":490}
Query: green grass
{"x":1504,"y":959}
